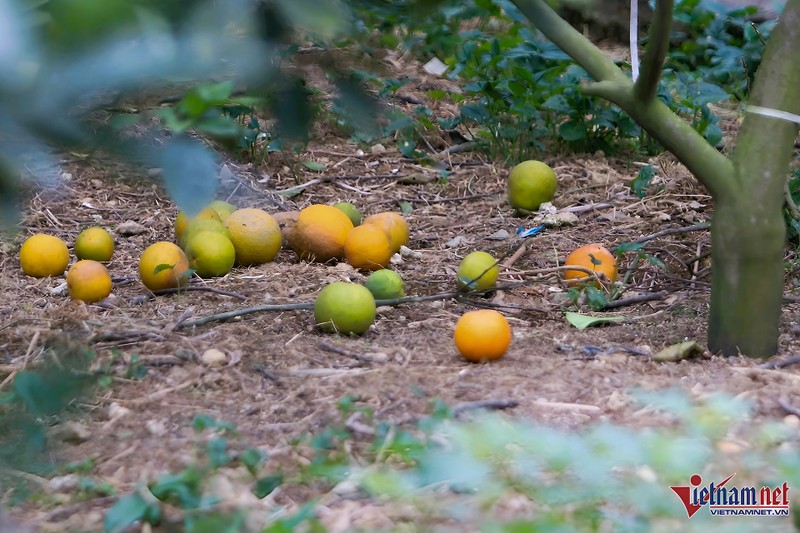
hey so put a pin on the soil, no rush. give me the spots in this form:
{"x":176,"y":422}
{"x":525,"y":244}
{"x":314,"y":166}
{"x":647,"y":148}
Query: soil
{"x":283,"y":378}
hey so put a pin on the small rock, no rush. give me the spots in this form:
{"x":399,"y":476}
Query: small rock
{"x":384,"y":309}
{"x":348,"y":487}
{"x":396,"y":259}
{"x":617,"y":400}
{"x":157,"y":428}
{"x":435,"y":67}
{"x":455,"y":242}
{"x":500,"y":235}
{"x":130,"y":227}
{"x":65,"y":483}
{"x":555,"y":220}
{"x":73,"y":433}
{"x":378,"y":357}
{"x":378,"y":149}
{"x":792,"y":421}
{"x":408,"y":253}
{"x":115,"y":411}
{"x":344,"y":267}
{"x":213,"y":357}
{"x":60,"y":289}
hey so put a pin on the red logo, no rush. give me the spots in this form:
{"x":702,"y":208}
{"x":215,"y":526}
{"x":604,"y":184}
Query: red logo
{"x":723,"y":500}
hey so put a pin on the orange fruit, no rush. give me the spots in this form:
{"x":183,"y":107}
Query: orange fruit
{"x":182,"y":220}
{"x":394,"y":225}
{"x":594,"y":257}
{"x":88,"y":280}
{"x":347,"y":308}
{"x":255,"y":236}
{"x":482,"y":335}
{"x":43,"y":255}
{"x":367,"y":247}
{"x":94,"y":243}
{"x":320,"y":232}
{"x":163,"y":265}
{"x":210,"y":254}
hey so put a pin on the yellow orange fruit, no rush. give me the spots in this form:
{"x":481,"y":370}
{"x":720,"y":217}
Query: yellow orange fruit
{"x":255,"y":236}
{"x":482,"y":335}
{"x":182,"y":220}
{"x":43,"y":255}
{"x":394,"y":225}
{"x":595,"y":257}
{"x":320,"y":233}
{"x":88,"y":280}
{"x":530,"y":184}
{"x":346,"y":308}
{"x":367,"y":248}
{"x":477,"y":272}
{"x":163,"y":265}
{"x":223,"y":208}
{"x":198,"y":225}
{"x":94,"y":243}
{"x":210,"y":254}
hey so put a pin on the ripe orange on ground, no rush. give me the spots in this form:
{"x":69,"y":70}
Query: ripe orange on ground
{"x":94,"y":243}
{"x":255,"y":236}
{"x":182,"y":220}
{"x":163,"y":265}
{"x":482,"y":335}
{"x":88,"y":280}
{"x":43,"y":255}
{"x":595,"y":257}
{"x":367,"y":247}
{"x":199,"y":225}
{"x":394,"y":225}
{"x":320,"y":232}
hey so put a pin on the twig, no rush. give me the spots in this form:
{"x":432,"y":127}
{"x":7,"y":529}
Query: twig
{"x":495,"y":405}
{"x":783,"y":363}
{"x":456,"y":149}
{"x":58,"y":515}
{"x":669,"y":231}
{"x":513,"y":258}
{"x":789,"y":408}
{"x":362,"y":358}
{"x":245,"y":311}
{"x":568,"y":406}
{"x":640,"y":298}
{"x":582,"y":208}
{"x":193,"y":288}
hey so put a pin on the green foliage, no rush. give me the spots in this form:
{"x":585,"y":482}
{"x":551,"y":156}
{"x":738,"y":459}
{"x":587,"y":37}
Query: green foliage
{"x":188,"y":490}
{"x":39,"y":398}
{"x":641,"y":183}
{"x":790,"y":213}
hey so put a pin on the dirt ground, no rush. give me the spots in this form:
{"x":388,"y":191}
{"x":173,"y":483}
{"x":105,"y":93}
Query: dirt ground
{"x":283,"y":378}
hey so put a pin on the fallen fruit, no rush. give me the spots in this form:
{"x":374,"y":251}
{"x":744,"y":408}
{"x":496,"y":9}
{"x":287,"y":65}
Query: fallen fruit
{"x":88,"y":280}
{"x":163,"y":265}
{"x":394,"y":225}
{"x":94,"y":243}
{"x":351,"y":211}
{"x":346,"y":308}
{"x":367,"y":248}
{"x":255,"y":236}
{"x":210,"y":254}
{"x":594,"y":257}
{"x":43,"y":255}
{"x":482,"y":335}
{"x":530,"y":184}
{"x":385,"y":285}
{"x":478,"y":271}
{"x":319,"y":233}
{"x":223,"y":208}
{"x":183,"y":220}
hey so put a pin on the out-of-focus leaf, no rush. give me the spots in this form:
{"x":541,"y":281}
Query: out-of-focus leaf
{"x":678,"y":352}
{"x":361,"y":108}
{"x":326,"y":18}
{"x":190,"y":174}
{"x":584,"y":321}
{"x":314,"y":166}
{"x":125,"y":512}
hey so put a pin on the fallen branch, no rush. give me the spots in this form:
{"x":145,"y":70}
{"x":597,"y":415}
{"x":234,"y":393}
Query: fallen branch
{"x":495,"y":405}
{"x":774,"y":365}
{"x":789,"y":408}
{"x":670,"y":231}
{"x":193,"y":288}
{"x":640,"y":298}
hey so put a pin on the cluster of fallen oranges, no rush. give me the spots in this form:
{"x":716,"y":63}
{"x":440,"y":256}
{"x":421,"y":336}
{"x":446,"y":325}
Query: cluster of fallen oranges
{"x":221,"y":236}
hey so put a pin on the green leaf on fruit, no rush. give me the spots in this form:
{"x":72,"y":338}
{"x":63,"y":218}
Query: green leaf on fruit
{"x":585,"y":321}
